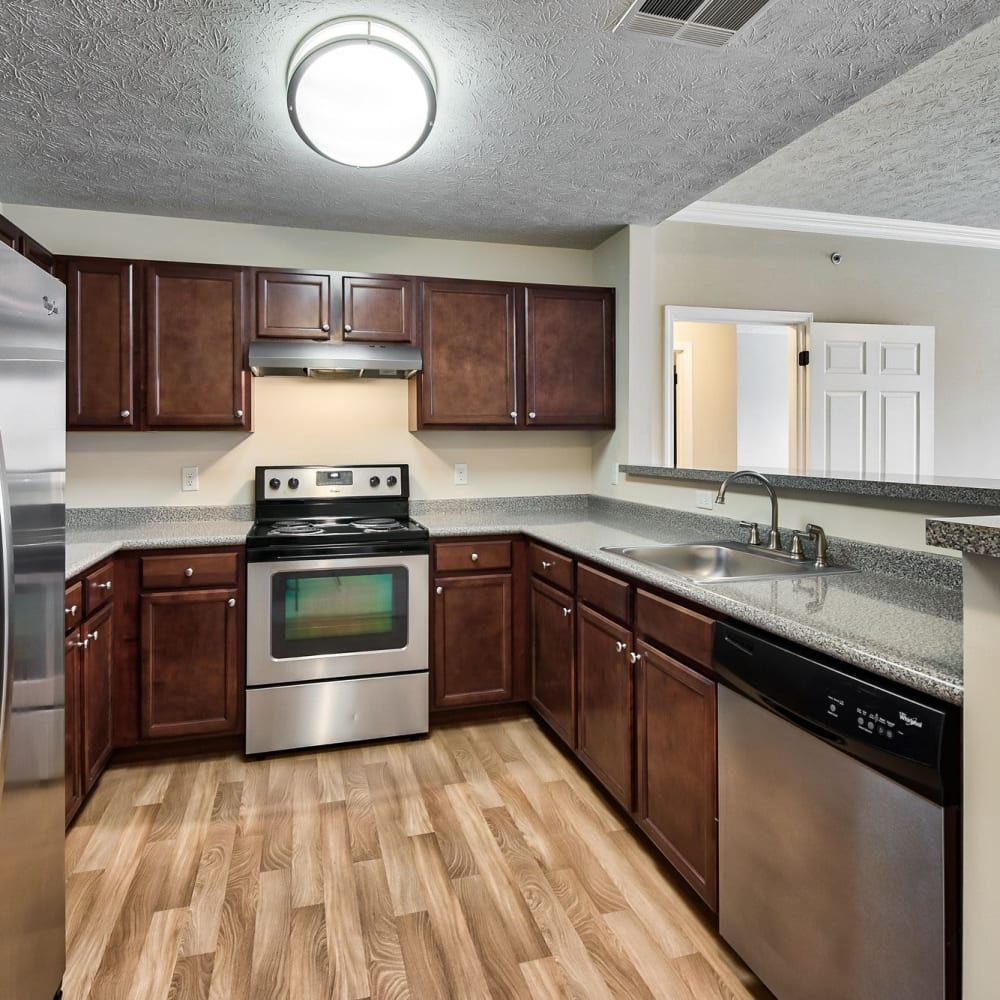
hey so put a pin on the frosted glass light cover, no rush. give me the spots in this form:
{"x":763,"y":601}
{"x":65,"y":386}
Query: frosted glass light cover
{"x":363,"y":98}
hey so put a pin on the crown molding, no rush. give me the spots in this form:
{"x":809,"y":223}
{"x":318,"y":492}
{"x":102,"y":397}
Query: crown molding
{"x":717,"y":213}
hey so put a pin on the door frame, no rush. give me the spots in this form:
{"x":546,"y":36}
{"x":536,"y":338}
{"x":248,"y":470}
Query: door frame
{"x":711,"y":314}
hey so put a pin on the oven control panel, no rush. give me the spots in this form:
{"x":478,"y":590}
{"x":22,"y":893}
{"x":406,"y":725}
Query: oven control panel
{"x":322,"y":482}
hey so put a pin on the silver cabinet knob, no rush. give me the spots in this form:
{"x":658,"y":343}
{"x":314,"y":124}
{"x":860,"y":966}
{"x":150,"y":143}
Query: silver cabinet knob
{"x":104,"y":586}
{"x":531,"y":415}
{"x":231,"y":602}
{"x":189,"y":571}
{"x":620,"y":646}
{"x":125,"y":414}
{"x":439,"y":590}
{"x":72,"y":609}
{"x":93,"y":635}
{"x":567,"y":612}
{"x":634,"y":657}
{"x":347,"y":327}
{"x":474,"y":557}
{"x":547,"y":565}
{"x":325,"y":327}
{"x":79,"y":645}
{"x":238,"y":414}
{"x":513,"y":414}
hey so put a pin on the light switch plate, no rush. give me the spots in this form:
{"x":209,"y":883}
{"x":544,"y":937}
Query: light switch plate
{"x":461,"y":474}
{"x":189,"y":478}
{"x":704,"y":499}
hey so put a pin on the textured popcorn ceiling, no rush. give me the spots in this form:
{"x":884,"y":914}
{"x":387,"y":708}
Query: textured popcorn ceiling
{"x":925,"y":147}
{"x":550,"y":130}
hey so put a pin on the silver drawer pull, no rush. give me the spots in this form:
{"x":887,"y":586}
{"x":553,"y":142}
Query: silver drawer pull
{"x":80,"y":645}
{"x":513,"y":414}
{"x":72,"y":609}
{"x":439,"y":590}
{"x":238,"y":414}
{"x":531,"y":415}
{"x":567,"y":612}
{"x":125,"y":414}
{"x":620,"y":646}
{"x":231,"y":602}
{"x":104,"y":586}
{"x":189,"y":571}
{"x":547,"y":565}
{"x":347,"y":327}
{"x":93,"y":635}
{"x":326,"y":328}
{"x":474,"y":557}
{"x":634,"y":657}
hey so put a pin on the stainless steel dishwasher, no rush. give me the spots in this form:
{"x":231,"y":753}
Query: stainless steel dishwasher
{"x":838,"y":792}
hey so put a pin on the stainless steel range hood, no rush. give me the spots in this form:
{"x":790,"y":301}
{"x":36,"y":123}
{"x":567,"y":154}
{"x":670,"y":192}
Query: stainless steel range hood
{"x":334,"y":360}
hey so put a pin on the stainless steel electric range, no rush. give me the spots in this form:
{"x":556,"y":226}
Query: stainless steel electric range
{"x":337,"y":608}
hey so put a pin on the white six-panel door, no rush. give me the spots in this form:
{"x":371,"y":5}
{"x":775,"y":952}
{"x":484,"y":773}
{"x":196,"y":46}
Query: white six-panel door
{"x":871,"y":400}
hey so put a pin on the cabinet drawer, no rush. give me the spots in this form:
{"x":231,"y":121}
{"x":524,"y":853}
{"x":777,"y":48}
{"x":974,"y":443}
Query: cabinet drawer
{"x":463,"y":557}
{"x":195,"y":570}
{"x":74,"y":605}
{"x":97,"y":587}
{"x":604,"y":593}
{"x":674,"y":627}
{"x":551,"y":566}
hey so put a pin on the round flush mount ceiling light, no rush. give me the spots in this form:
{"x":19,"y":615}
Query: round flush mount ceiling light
{"x":362,"y":92}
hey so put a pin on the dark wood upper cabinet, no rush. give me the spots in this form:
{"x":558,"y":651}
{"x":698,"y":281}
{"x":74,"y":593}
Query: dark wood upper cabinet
{"x":190,"y":642}
{"x":569,"y":370}
{"x":605,"y":701}
{"x":293,"y":305}
{"x":379,"y":310}
{"x":195,"y":344}
{"x":37,"y":254}
{"x":473,"y":635}
{"x":553,"y":668}
{"x":677,"y":767}
{"x":10,"y":235}
{"x":470,"y":343}
{"x":100,"y":344}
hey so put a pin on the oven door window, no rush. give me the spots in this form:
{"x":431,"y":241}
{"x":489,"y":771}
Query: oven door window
{"x":327,"y":612}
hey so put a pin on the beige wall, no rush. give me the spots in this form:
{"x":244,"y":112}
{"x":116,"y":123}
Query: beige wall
{"x":713,"y":390}
{"x":955,"y":289}
{"x":299,"y":419}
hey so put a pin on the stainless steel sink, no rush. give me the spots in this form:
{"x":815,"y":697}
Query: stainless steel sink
{"x":720,"y":562}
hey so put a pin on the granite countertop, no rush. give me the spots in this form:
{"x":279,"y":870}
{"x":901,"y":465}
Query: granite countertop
{"x":902,"y":629}
{"x":979,"y":536}
{"x":87,"y":546}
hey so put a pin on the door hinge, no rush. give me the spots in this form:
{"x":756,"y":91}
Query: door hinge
{"x":803,"y":359}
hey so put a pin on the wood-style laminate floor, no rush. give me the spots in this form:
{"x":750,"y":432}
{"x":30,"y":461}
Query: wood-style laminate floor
{"x":477,"y":863}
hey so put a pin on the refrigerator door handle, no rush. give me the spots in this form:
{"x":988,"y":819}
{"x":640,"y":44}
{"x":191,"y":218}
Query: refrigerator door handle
{"x":6,"y":616}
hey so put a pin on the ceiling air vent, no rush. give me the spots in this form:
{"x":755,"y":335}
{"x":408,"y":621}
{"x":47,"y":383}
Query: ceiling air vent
{"x":697,"y":22}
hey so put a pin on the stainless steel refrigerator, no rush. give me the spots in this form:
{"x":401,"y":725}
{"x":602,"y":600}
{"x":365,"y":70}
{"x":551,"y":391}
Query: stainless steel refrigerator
{"x":32,"y":581}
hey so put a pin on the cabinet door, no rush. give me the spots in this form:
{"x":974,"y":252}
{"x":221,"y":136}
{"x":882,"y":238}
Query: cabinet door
{"x":74,"y":765}
{"x":293,"y":305}
{"x":380,"y":310}
{"x":100,"y":344}
{"x":677,"y":767}
{"x":10,"y":234}
{"x":194,"y":347}
{"x":604,"y":721}
{"x":473,"y":634}
{"x":553,"y":661}
{"x":469,"y":350}
{"x":95,"y":694}
{"x":569,"y":357}
{"x":36,"y":253}
{"x":190,"y":663}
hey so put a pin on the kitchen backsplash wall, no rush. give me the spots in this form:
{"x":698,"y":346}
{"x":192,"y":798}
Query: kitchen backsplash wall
{"x":300,"y":420}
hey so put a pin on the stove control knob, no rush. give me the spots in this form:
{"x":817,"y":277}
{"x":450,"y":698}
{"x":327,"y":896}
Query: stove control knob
{"x":293,"y":484}
{"x":391,"y":481}
{"x":274,"y":483}
{"x":374,"y":481}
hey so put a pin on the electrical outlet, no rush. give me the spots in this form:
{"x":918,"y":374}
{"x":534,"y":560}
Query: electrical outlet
{"x":461,"y":474}
{"x":189,"y":478}
{"x":704,"y":499}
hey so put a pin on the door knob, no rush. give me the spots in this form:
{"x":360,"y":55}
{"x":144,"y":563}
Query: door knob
{"x":71,"y":610}
{"x":104,"y":586}
{"x":567,"y":612}
{"x":326,"y":328}
{"x":238,"y":414}
{"x":513,"y":414}
{"x":93,"y":635}
{"x":80,"y":645}
{"x":439,"y":590}
{"x":620,"y":646}
{"x":189,"y":571}
{"x":474,"y":557}
{"x":125,"y":414}
{"x":531,"y":415}
{"x":231,"y":602}
{"x":634,"y":657}
{"x":547,"y":565}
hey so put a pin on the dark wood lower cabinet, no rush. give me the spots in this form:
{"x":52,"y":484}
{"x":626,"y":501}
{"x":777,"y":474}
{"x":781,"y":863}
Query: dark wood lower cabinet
{"x":74,"y":760}
{"x":553,"y":667}
{"x":473,"y":636}
{"x":95,"y":694}
{"x":190,"y":642}
{"x":605,"y":701}
{"x":677,"y":772}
